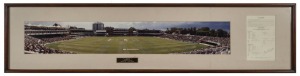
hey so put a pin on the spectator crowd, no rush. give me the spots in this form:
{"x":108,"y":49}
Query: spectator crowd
{"x":221,"y":45}
{"x":43,"y":28}
{"x":36,"y":45}
{"x":210,"y":50}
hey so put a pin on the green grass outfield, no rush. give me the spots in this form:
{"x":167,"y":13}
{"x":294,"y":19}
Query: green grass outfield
{"x":124,"y":45}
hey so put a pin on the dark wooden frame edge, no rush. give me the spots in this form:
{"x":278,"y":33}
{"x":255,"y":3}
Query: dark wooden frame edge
{"x":6,"y":38}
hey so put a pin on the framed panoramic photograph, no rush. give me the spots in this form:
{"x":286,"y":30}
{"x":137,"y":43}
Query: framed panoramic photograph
{"x":150,"y":38}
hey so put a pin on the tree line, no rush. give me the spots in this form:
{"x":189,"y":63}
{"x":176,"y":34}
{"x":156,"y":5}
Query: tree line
{"x":203,"y":31}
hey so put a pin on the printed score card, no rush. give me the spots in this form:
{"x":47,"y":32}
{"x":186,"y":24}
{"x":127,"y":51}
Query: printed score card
{"x":261,"y":38}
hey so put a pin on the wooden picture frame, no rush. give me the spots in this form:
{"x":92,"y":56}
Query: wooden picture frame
{"x":7,"y":40}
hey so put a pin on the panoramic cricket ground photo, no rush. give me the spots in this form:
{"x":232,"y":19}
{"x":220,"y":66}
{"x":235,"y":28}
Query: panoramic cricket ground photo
{"x":148,"y":37}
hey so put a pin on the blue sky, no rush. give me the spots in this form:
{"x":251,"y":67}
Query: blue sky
{"x":225,"y":25}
